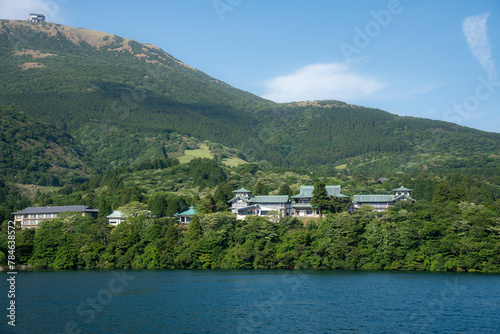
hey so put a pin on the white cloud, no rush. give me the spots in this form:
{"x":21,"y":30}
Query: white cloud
{"x":321,"y":82}
{"x":20,"y":9}
{"x":476,"y":34}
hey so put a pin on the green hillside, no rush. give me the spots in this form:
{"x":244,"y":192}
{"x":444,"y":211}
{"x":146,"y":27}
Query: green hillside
{"x":128,"y":102}
{"x":33,"y":152}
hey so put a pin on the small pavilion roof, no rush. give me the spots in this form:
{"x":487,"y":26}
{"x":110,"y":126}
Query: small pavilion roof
{"x":190,"y":212}
{"x":241,"y":190}
{"x":116,"y":214}
{"x":402,"y":189}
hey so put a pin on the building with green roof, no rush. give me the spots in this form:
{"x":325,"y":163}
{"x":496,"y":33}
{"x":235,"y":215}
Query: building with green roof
{"x":186,"y":216}
{"x":302,"y":201}
{"x":243,"y":204}
{"x":116,"y":217}
{"x":382,"y":202}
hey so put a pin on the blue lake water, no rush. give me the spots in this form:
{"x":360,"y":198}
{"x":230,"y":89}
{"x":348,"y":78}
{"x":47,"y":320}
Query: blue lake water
{"x":253,"y":302}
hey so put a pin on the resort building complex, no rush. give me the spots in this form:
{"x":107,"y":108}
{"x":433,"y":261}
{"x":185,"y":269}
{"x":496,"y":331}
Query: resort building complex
{"x":31,"y":217}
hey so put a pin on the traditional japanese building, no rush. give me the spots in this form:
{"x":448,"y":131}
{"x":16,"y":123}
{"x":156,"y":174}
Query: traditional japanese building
{"x":382,"y":202}
{"x":243,"y":204}
{"x":302,"y":202}
{"x":116,"y":218}
{"x":186,"y":216}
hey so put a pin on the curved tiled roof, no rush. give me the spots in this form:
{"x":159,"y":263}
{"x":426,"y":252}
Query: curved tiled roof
{"x":241,"y":190}
{"x":190,"y":212}
{"x":402,"y":189}
{"x":307,"y":191}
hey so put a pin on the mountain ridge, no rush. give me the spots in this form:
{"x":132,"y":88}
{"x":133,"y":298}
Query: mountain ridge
{"x":89,"y":82}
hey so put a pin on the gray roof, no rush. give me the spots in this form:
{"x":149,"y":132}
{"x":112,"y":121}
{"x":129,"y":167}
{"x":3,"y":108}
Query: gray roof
{"x":56,"y":209}
{"x":307,"y":191}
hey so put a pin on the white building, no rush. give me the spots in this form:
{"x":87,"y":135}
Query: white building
{"x":302,"y":202}
{"x":382,"y":202}
{"x":243,"y":204}
{"x":37,"y":18}
{"x":116,"y":217}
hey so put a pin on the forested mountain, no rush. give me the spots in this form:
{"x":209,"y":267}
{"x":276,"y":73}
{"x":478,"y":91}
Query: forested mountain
{"x":128,"y":102}
{"x":90,"y":118}
{"x":33,"y":152}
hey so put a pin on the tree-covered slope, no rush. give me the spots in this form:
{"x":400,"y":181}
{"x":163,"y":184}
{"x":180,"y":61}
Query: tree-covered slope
{"x":33,"y":152}
{"x":117,"y":95}
{"x":73,"y":78}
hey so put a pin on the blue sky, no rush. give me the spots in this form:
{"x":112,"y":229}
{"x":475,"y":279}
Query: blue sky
{"x":432,"y":59}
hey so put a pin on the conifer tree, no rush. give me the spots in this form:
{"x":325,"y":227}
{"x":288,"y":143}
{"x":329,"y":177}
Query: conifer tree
{"x":442,"y":193}
{"x":260,"y":189}
{"x":285,"y":190}
{"x":159,"y":205}
{"x":194,"y":232}
{"x":320,"y":198}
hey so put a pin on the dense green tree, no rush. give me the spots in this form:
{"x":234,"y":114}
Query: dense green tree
{"x":104,"y":207}
{"x":194,"y":232}
{"x":223,"y":193}
{"x":442,"y":193}
{"x":206,"y":205}
{"x":338,"y":204}
{"x":284,"y":189}
{"x":425,"y":236}
{"x":176,"y":204}
{"x":320,"y":198}
{"x":159,"y":205}
{"x":134,"y":209}
{"x":260,"y":189}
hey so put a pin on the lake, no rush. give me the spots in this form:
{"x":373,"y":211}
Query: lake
{"x":244,"y":301}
